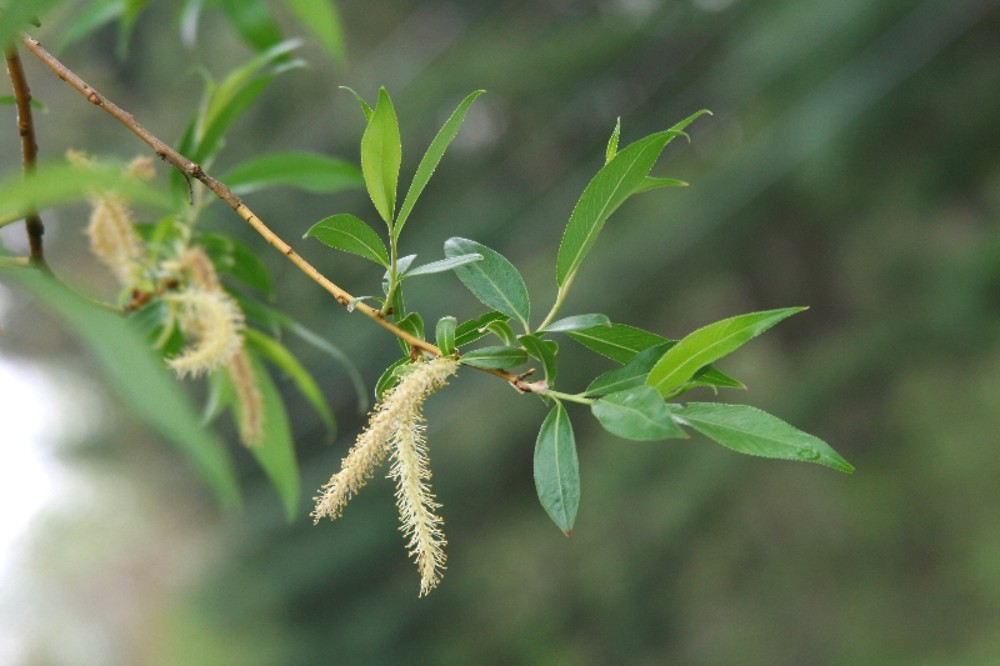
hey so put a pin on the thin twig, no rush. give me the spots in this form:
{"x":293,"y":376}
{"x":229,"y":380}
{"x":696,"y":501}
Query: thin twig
{"x":193,"y":170}
{"x":29,"y":147}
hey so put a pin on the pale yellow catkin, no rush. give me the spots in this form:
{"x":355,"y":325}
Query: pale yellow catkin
{"x":214,"y":321}
{"x":248,"y":397}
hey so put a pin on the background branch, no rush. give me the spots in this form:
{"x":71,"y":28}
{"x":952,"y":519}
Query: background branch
{"x":29,"y":147}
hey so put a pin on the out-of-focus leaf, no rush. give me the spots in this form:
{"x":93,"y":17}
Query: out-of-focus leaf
{"x":757,"y":433}
{"x":323,"y":19}
{"x":276,"y":451}
{"x":92,"y":18}
{"x":557,"y":470}
{"x":432,"y":157}
{"x":708,"y":344}
{"x":277,"y":353}
{"x":381,"y":153}
{"x":253,"y":22}
{"x":138,"y":378}
{"x":8,"y":100}
{"x":637,"y":413}
{"x":619,"y":342}
{"x":495,"y":357}
{"x":350,"y":234}
{"x":577,"y":322}
{"x":234,"y":258}
{"x":310,"y":172}
{"x":59,"y":184}
{"x":545,"y":351}
{"x":614,"y":183}
{"x":19,"y":15}
{"x":494,"y":280}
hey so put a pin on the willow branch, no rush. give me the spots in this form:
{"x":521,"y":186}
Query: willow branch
{"x":193,"y":170}
{"x":29,"y":147}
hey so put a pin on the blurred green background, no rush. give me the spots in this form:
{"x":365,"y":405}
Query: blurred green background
{"x":852,"y":164}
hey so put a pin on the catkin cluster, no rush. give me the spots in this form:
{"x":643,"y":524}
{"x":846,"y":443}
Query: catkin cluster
{"x":396,"y":429}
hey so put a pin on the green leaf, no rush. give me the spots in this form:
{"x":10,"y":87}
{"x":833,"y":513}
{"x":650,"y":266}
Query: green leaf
{"x":389,"y":377}
{"x":714,"y":378}
{"x":223,"y":104}
{"x":495,"y":357}
{"x":18,"y":15}
{"x":494,"y":280}
{"x":413,"y":324}
{"x":350,"y":234}
{"x":578,"y":322}
{"x":475,"y":329}
{"x":322,"y":17}
{"x":631,"y":374}
{"x":306,"y":171}
{"x":278,"y":354}
{"x":445,"y":335}
{"x":545,"y":351}
{"x":10,"y":100}
{"x":276,"y":452}
{"x":432,"y":157}
{"x":232,"y":257}
{"x":708,"y":344}
{"x":619,"y":342}
{"x":89,"y":21}
{"x":502,"y":330}
{"x":656,"y":183}
{"x":381,"y":153}
{"x":253,"y":22}
{"x":612,"y":148}
{"x":138,"y":378}
{"x":637,"y":413}
{"x":757,"y":433}
{"x":365,"y":109}
{"x":557,"y":470}
{"x":614,"y":183}
{"x":59,"y":184}
{"x":443,"y":265}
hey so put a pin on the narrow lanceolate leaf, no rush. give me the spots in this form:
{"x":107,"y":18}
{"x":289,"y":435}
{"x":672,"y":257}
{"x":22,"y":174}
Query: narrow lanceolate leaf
{"x":494,"y":280}
{"x":138,"y":378}
{"x":381,"y":153}
{"x":557,"y":470}
{"x":311,"y":172}
{"x":619,"y":342}
{"x":502,"y":330}
{"x":474,"y":329}
{"x":350,"y":234}
{"x":431,"y":158}
{"x":276,"y":451}
{"x":365,"y":109}
{"x":443,"y":265}
{"x":413,"y":324}
{"x":637,"y":413}
{"x":578,"y":322}
{"x":322,"y":18}
{"x":497,"y":358}
{"x":757,"y":433}
{"x":630,"y":375}
{"x":545,"y":351}
{"x":614,"y":183}
{"x":444,"y":336}
{"x":612,"y":148}
{"x":651,"y":183}
{"x":390,"y":377}
{"x":278,"y":354}
{"x":708,"y":344}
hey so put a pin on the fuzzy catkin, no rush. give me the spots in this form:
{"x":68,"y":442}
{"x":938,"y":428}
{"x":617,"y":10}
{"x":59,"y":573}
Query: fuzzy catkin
{"x":214,"y":320}
{"x":397,"y":426}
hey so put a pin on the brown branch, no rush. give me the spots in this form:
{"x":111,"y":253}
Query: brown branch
{"x":193,"y":170}
{"x":29,"y":147}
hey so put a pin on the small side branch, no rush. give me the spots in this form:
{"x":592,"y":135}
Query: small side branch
{"x":29,"y":147}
